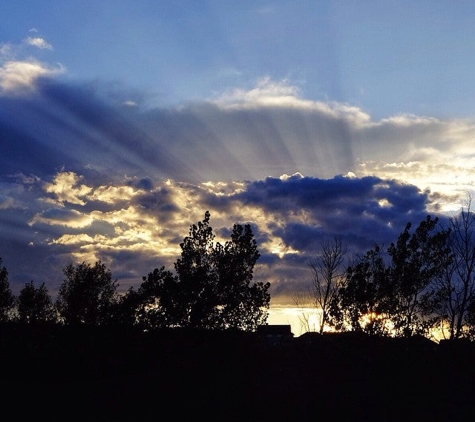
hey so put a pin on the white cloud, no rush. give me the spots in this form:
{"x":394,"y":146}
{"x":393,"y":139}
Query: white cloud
{"x":407,"y":120}
{"x":17,"y":76}
{"x":19,"y":73}
{"x":130,"y":103}
{"x":38,"y":42}
{"x":269,"y":93}
{"x":448,"y":181}
{"x":297,"y":175}
{"x":266,"y":92}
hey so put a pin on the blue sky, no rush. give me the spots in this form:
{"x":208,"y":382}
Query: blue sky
{"x":121,"y":123}
{"x":385,"y":57}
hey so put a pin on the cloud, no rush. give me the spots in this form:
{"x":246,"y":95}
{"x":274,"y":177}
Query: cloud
{"x":5,"y":50}
{"x":65,"y":187}
{"x":268,"y":130}
{"x":85,"y":178}
{"x":269,"y":93}
{"x":7,"y":202}
{"x":130,"y":103}
{"x":12,"y":196}
{"x":62,"y":217}
{"x":289,"y":216}
{"x":19,"y":76}
{"x":38,"y":42}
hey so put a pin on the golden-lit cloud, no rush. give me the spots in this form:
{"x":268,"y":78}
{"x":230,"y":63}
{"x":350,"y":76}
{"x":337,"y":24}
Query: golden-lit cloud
{"x":111,"y":194}
{"x":66,"y":188}
{"x":450,"y":182}
{"x":63,"y":217}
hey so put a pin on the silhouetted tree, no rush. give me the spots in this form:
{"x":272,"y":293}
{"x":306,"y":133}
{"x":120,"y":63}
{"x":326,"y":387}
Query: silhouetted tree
{"x":197,"y":277}
{"x":327,"y":277}
{"x":361,"y":303}
{"x":154,"y":304}
{"x":456,"y":287}
{"x":241,"y":303}
{"x":87,"y":295}
{"x":125,"y":310}
{"x":35,"y":305}
{"x":418,"y":261}
{"x":400,"y":298}
{"x":213,"y":287}
{"x":7,"y":299}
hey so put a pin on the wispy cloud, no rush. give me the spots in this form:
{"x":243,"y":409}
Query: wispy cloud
{"x":38,"y":42}
{"x":270,"y":93}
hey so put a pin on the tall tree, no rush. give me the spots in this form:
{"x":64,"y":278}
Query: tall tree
{"x":213,"y":287}
{"x":87,"y":295}
{"x":418,"y":261}
{"x":7,"y":299}
{"x":241,"y":303}
{"x":35,"y":305}
{"x":197,"y":277}
{"x":456,"y":294}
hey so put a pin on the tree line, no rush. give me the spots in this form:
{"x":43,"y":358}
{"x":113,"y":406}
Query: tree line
{"x":211,"y":288}
{"x":422,"y":283}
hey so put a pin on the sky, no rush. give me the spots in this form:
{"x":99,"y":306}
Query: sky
{"x":121,"y":123}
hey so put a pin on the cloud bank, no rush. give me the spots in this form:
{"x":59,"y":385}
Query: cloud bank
{"x":87,"y":174}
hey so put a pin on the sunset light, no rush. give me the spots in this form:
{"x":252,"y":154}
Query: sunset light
{"x":111,"y":150}
{"x":238,"y":210}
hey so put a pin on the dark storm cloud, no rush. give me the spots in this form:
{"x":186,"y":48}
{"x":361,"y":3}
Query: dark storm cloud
{"x":307,"y":191}
{"x":362,"y":211}
{"x":143,"y":184}
{"x":296,"y":212}
{"x":158,"y":200}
